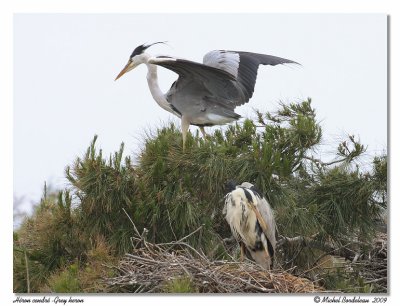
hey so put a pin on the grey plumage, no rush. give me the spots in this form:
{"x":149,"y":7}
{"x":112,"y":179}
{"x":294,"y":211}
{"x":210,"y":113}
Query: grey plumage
{"x":247,"y":69}
{"x":215,"y":87}
{"x":205,"y":94}
{"x":243,"y":208}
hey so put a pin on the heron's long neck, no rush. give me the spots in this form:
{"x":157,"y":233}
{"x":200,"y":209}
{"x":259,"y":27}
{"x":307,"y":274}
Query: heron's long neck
{"x":155,"y":90}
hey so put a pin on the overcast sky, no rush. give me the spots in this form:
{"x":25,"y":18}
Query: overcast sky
{"x":65,"y":65}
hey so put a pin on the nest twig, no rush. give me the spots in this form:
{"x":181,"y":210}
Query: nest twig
{"x":150,"y":267}
{"x":373,"y":266}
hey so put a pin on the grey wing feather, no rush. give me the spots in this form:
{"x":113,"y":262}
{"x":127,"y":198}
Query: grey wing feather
{"x":189,"y":68}
{"x":268,"y":215}
{"x":214,"y":81}
{"x":228,"y":77}
{"x":248,"y":67}
{"x":244,"y":66}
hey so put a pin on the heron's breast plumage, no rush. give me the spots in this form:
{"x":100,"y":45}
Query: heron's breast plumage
{"x":240,"y":217}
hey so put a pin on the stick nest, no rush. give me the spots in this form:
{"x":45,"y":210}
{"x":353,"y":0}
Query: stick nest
{"x":151,"y":267}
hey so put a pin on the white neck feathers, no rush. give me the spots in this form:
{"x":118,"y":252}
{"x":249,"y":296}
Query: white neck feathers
{"x":155,"y":90}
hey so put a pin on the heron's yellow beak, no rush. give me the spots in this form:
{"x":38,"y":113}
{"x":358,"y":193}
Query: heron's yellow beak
{"x":128,"y":67}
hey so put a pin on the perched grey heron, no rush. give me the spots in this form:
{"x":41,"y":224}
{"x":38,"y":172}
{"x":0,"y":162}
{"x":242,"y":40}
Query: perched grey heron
{"x":204,"y":94}
{"x":252,"y":222}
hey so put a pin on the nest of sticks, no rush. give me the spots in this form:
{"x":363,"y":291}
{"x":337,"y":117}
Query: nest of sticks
{"x":150,"y":267}
{"x":373,"y":265}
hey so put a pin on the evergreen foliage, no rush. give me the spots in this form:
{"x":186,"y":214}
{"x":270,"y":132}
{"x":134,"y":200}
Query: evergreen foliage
{"x":172,"y":192}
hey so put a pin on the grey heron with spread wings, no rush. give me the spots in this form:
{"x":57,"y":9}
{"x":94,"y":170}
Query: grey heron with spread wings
{"x":204,"y":94}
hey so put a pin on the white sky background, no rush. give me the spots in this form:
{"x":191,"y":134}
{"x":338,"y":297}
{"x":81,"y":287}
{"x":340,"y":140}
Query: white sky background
{"x":65,"y":65}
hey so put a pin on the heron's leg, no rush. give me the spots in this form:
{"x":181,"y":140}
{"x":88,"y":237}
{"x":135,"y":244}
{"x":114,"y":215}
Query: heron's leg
{"x":203,"y":131}
{"x":242,"y":251}
{"x":185,"y":127}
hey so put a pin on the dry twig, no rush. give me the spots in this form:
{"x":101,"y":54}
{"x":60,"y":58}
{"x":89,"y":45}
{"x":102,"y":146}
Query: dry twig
{"x":150,"y":268}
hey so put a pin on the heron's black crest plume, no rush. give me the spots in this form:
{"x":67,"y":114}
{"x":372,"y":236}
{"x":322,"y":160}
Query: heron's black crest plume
{"x":140,"y":49}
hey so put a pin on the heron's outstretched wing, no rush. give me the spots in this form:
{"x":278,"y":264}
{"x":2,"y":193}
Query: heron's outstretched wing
{"x":243,"y":66}
{"x":215,"y":83}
